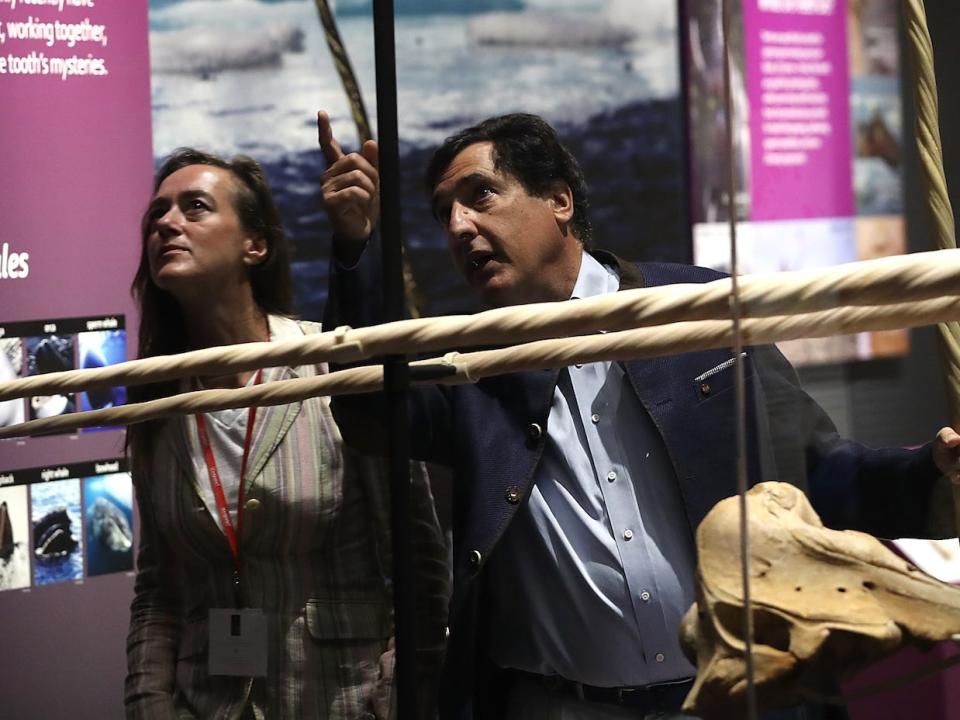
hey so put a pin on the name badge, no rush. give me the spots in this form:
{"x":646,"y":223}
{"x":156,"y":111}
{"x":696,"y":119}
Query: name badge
{"x":238,"y":642}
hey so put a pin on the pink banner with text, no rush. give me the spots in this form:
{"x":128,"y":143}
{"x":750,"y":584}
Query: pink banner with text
{"x":75,"y":138}
{"x":799,"y":97}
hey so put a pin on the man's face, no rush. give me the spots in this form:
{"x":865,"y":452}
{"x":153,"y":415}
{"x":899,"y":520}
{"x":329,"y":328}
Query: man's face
{"x":512,"y":247}
{"x":194,"y":235}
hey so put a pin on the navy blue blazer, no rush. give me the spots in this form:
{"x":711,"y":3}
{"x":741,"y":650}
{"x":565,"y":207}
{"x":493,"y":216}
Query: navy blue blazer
{"x":492,"y":435}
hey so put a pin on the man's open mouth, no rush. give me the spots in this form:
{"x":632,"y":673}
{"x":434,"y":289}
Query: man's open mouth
{"x":477,"y":261}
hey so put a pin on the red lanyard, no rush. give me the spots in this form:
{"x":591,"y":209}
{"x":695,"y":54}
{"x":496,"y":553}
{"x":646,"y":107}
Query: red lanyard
{"x":232,"y":534}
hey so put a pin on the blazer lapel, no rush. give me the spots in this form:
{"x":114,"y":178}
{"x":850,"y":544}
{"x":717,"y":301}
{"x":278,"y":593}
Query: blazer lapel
{"x":273,"y":422}
{"x":186,"y":445}
{"x":269,"y":427}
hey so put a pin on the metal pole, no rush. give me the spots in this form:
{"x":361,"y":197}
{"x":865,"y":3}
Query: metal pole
{"x":396,"y":372}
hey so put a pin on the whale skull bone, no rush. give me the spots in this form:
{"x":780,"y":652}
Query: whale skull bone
{"x":824,"y":604}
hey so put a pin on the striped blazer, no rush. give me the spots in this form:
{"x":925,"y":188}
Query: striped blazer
{"x":315,"y":549}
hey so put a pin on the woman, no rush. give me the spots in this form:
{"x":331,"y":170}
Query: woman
{"x":262,"y":537}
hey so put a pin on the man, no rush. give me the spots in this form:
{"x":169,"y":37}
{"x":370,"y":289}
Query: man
{"x":576,"y":492}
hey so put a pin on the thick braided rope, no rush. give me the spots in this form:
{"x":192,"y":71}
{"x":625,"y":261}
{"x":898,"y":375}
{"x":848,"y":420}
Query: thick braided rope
{"x":928,"y":128}
{"x":941,"y":214}
{"x":553,"y":353}
{"x":341,"y":61}
{"x":874,"y":282}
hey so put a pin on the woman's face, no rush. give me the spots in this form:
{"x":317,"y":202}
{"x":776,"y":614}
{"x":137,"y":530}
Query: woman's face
{"x":195,"y":240}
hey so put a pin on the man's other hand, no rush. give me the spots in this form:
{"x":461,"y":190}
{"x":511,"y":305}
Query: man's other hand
{"x":946,"y":453}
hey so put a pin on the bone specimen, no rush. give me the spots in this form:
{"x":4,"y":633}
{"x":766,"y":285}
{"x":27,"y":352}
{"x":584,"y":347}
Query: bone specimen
{"x":824,"y":604}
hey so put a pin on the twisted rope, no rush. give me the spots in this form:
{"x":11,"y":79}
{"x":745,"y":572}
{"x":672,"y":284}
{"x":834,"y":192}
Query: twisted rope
{"x":553,"y":353}
{"x":341,"y":61}
{"x":941,"y":215}
{"x":928,"y":128}
{"x":873,"y":282}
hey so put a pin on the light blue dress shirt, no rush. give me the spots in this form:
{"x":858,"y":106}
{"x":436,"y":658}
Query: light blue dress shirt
{"x":594,"y":573}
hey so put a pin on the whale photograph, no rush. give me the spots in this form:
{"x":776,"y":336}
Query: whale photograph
{"x":14,"y":538}
{"x":47,"y":354}
{"x":108,"y":522}
{"x":11,"y":365}
{"x":57,"y":531}
{"x":99,"y":349}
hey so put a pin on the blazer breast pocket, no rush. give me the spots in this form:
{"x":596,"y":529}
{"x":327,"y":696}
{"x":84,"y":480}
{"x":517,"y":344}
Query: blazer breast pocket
{"x":720,"y":378}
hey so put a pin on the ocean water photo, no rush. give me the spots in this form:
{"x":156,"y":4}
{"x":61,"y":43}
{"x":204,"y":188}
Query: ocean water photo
{"x":247,"y":76}
{"x":57,"y":531}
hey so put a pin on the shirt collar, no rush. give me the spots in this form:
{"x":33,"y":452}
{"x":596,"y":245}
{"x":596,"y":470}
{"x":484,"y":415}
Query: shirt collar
{"x":283,"y":328}
{"x":594,"y":279}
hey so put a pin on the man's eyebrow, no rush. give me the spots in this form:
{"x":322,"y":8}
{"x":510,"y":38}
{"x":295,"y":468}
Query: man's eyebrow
{"x":476,"y":177}
{"x":473,"y":178}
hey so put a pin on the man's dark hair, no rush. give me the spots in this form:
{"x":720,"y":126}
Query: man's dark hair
{"x":162,"y":326}
{"x":527,"y":148}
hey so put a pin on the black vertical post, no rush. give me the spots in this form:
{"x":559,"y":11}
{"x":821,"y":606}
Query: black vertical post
{"x":686,"y":134}
{"x":395,"y":370}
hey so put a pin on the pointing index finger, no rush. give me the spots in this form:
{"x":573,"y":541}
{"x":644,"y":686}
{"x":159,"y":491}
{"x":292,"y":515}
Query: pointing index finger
{"x":328,"y":144}
{"x":371,"y":153}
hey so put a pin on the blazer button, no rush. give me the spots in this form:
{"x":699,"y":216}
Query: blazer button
{"x":474,"y":558}
{"x":705,"y":388}
{"x":534,"y":431}
{"x":512,"y":495}
{"x":251,"y":504}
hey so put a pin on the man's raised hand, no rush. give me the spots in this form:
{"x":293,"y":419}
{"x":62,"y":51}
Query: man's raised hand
{"x":350,"y":188}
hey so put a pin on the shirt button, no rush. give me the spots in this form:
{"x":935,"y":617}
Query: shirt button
{"x":579,"y":365}
{"x":627,"y":534}
{"x":595,"y":418}
{"x":251,"y":504}
{"x":645,"y":596}
{"x":611,"y":476}
{"x":534,"y":431}
{"x":660,"y":657}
